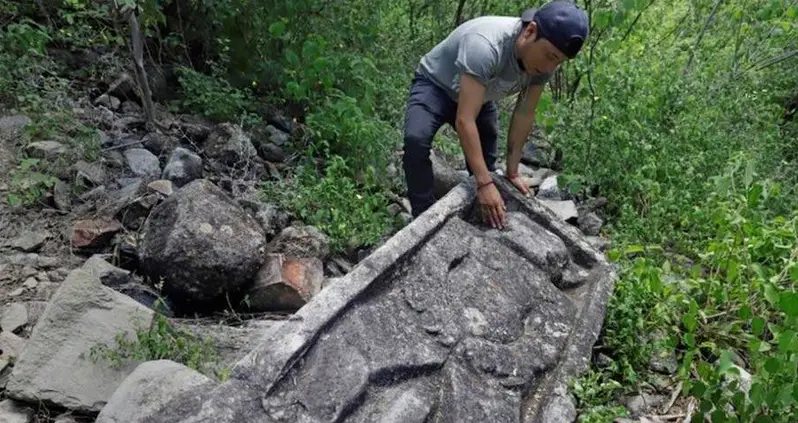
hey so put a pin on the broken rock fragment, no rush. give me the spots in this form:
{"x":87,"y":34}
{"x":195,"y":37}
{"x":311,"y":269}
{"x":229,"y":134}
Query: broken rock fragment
{"x":285,"y":283}
{"x":94,"y":233}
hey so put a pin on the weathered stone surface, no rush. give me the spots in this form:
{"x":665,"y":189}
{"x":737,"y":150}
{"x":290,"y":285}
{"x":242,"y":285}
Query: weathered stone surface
{"x":15,"y":316}
{"x":90,"y":174}
{"x":157,"y":143}
{"x":590,"y":223}
{"x":202,"y":243}
{"x":162,"y":186}
{"x":184,"y":166}
{"x":445,"y":176}
{"x":564,"y":209}
{"x":55,"y":367}
{"x":229,"y":144}
{"x":448,"y":321}
{"x":13,"y":412}
{"x":549,"y":189}
{"x":10,"y":124}
{"x":152,"y":385}
{"x":30,"y":241}
{"x":45,"y":149}
{"x":142,"y":162}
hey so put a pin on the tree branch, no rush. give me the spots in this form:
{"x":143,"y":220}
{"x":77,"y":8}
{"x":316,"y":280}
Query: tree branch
{"x":137,"y":48}
{"x":701,"y":35}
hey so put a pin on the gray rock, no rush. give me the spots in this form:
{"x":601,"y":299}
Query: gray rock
{"x":107,"y":273}
{"x":184,"y":166}
{"x":276,"y":136}
{"x":271,"y":218}
{"x":13,"y":412}
{"x":46,"y":149}
{"x":641,"y":404}
{"x":229,"y":144}
{"x":664,"y":361}
{"x":90,"y":174}
{"x":62,"y":194}
{"x":142,"y":162}
{"x":549,"y":189}
{"x":152,"y":385}
{"x":272,"y":152}
{"x":158,"y":143}
{"x":599,"y":243}
{"x":445,"y":176}
{"x":590,"y":223}
{"x":15,"y":316}
{"x":56,"y":365}
{"x":565,"y":210}
{"x":202,"y":243}
{"x":10,"y":124}
{"x":447,"y":322}
{"x":30,"y":241}
{"x":300,"y":241}
{"x":561,"y":409}
{"x":108,"y":101}
{"x":162,"y":186}
{"x":65,"y":418}
{"x":32,"y":260}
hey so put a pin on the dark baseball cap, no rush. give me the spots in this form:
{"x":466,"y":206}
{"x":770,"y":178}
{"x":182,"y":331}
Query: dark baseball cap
{"x":561,"y":22}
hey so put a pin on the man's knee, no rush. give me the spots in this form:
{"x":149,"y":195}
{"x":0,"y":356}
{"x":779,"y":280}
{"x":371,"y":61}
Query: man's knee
{"x":417,"y":146}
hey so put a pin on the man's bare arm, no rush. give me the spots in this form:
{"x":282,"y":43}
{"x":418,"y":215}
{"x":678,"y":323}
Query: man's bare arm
{"x":521,"y":124}
{"x":472,"y":94}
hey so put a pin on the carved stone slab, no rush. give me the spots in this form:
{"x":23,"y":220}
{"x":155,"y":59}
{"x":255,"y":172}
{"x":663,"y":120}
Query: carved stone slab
{"x":449,"y":321}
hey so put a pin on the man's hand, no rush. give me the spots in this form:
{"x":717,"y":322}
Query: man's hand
{"x":491,"y":205}
{"x":519,"y":183}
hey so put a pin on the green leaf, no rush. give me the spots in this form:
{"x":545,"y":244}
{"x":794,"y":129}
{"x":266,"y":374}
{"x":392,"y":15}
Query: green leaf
{"x":788,"y":303}
{"x":757,"y":326}
{"x":772,"y":365}
{"x":771,"y":294}
{"x":794,"y":272}
{"x":763,"y":419}
{"x":276,"y":29}
{"x":754,"y":195}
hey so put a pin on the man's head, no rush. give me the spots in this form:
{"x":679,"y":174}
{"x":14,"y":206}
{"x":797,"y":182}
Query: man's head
{"x":550,"y":35}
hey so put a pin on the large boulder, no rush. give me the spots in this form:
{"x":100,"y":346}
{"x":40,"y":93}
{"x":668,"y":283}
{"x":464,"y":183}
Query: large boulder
{"x":202,"y":244}
{"x":57,"y":365}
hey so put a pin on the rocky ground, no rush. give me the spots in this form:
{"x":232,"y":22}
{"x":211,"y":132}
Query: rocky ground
{"x":160,"y":223}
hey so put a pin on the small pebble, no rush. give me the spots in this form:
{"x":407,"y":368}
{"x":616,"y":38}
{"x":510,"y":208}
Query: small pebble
{"x":31,"y":283}
{"x":17,"y":292}
{"x":43,"y":277}
{"x":28,"y":271}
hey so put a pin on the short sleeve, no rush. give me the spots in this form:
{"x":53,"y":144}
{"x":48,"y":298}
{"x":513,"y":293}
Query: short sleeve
{"x":477,"y":57}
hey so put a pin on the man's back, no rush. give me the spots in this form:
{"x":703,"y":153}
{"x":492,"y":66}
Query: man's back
{"x":485,"y":48}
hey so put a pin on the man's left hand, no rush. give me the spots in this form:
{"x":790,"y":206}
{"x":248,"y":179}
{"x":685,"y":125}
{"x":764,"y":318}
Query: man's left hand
{"x":519,"y":183}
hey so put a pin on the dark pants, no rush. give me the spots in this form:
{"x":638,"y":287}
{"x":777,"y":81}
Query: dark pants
{"x":428,"y":108}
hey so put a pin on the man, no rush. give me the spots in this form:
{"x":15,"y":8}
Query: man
{"x":459,"y":81}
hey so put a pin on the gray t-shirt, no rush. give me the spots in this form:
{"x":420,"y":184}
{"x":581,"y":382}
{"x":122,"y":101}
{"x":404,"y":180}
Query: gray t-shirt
{"x":484,"y":48}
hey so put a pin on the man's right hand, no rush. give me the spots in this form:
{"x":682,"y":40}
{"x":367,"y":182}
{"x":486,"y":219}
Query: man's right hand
{"x":491,"y":205}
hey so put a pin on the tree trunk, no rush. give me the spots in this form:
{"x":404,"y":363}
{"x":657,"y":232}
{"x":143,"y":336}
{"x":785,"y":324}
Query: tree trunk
{"x":459,"y":15}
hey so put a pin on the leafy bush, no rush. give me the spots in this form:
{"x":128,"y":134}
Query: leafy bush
{"x":351,"y":214}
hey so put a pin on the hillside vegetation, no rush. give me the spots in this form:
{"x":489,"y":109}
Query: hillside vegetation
{"x":680,"y":112}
